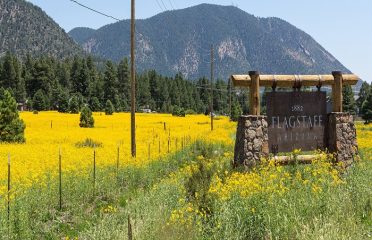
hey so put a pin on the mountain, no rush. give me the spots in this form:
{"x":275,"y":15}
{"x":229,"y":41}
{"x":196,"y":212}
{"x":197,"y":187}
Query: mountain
{"x":180,"y":40}
{"x":26,"y":29}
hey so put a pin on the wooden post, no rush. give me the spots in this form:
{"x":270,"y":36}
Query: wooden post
{"x":8,"y":200}
{"x":117,"y":162}
{"x":337,"y":91}
{"x":133,"y":81}
{"x":60,"y":178}
{"x":254,"y":105}
{"x":211,"y":103}
{"x":130,"y":233}
{"x":94,"y":171}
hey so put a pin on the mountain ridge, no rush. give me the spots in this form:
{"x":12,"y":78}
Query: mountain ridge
{"x":179,"y":41}
{"x":27,"y":29}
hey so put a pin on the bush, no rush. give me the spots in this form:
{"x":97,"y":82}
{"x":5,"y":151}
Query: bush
{"x":179,"y":112}
{"x":88,"y":142}
{"x":190,"y":112}
{"x":86,"y":118}
{"x":12,"y":128}
{"x":109,"y":108}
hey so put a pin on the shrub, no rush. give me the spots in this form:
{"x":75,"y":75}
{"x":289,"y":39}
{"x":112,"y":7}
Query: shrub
{"x":88,"y":142}
{"x":179,"y":112}
{"x":86,"y":118}
{"x":190,"y":112}
{"x":109,"y":108}
{"x":11,"y":126}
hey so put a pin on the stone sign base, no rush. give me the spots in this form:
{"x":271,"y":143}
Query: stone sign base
{"x":251,"y":141}
{"x":342,"y":137}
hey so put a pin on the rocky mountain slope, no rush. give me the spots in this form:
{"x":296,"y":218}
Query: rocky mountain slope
{"x":26,"y":29}
{"x":180,"y":40}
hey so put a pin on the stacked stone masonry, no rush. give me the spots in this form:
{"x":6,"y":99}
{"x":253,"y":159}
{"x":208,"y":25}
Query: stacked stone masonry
{"x":342,"y":137}
{"x":251,"y":141}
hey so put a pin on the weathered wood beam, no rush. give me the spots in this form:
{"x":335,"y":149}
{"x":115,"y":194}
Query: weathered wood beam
{"x":254,"y":104}
{"x":292,"y":80}
{"x":287,"y":160}
{"x":337,"y":91}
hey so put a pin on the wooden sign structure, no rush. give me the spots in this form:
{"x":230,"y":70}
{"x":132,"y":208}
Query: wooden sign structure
{"x":296,"y":120}
{"x":254,"y":81}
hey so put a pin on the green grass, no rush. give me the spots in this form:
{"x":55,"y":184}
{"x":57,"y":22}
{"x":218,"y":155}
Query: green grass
{"x":149,"y":195}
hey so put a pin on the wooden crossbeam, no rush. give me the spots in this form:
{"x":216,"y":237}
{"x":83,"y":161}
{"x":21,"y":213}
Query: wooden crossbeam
{"x":292,"y":80}
{"x":301,"y":159}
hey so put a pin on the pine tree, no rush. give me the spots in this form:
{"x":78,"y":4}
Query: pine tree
{"x":74,"y":105}
{"x":363,"y":94}
{"x":11,"y":126}
{"x":110,"y":82}
{"x":86,"y":118}
{"x":95,"y":104}
{"x":348,"y":101}
{"x":109,"y":108}
{"x":124,"y":82}
{"x":9,"y":75}
{"x":367,"y":109}
{"x":63,"y":102}
{"x":236,"y":111}
{"x":39,"y":101}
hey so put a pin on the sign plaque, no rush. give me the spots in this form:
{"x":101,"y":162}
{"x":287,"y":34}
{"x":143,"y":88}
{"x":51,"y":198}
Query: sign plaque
{"x":296,"y":120}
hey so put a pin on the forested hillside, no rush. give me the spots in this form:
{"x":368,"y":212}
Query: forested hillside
{"x":47,"y":83}
{"x":26,"y":29}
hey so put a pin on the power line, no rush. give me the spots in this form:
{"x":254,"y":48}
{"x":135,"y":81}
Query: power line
{"x":170,"y":2}
{"x":96,"y":11}
{"x":164,"y":5}
{"x":161,"y":8}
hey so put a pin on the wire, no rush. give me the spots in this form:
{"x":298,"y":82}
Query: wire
{"x":164,"y":5}
{"x":161,"y":8}
{"x":96,"y":11}
{"x":170,"y":2}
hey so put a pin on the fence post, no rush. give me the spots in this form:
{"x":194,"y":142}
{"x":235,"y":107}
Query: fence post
{"x":60,"y":178}
{"x":117,"y":162}
{"x":130,"y":234}
{"x":94,"y":171}
{"x":9,"y":187}
{"x":159,"y":145}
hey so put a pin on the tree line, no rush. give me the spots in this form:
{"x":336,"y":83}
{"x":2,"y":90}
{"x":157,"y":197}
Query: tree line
{"x":45,"y":83}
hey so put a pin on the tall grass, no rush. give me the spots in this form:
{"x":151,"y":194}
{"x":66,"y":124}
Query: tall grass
{"x":171,"y":199}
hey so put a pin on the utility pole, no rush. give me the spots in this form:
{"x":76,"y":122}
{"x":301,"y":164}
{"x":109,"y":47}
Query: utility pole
{"x":212,"y":69}
{"x":230,"y":96}
{"x":133,"y":81}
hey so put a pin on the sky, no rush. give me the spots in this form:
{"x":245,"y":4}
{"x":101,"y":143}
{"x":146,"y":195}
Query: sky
{"x":343,"y":27}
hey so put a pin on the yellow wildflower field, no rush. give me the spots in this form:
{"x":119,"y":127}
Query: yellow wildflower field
{"x":48,"y":132}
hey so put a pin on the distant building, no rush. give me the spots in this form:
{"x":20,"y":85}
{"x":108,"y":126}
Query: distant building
{"x":146,"y":110}
{"x":22,"y":106}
